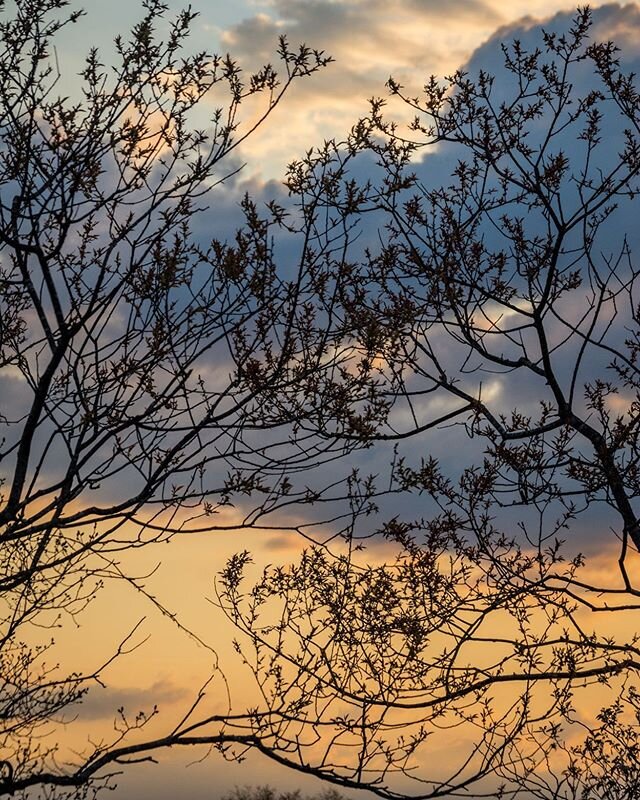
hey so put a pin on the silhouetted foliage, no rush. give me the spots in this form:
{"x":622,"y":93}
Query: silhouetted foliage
{"x":269,"y":793}
{"x":165,"y":379}
{"x":150,"y":375}
{"x":499,"y":315}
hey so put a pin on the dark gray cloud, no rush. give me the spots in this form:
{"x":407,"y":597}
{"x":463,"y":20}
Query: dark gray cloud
{"x":620,"y":23}
{"x":103,"y":703}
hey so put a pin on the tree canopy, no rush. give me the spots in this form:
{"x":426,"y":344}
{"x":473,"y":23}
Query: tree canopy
{"x":468,"y":322}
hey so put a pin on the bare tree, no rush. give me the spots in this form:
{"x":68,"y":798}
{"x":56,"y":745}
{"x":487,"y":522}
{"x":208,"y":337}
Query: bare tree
{"x":498,"y":314}
{"x":155,"y":378}
{"x":151,"y":374}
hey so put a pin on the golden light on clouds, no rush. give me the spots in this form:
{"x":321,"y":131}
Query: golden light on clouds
{"x":370,"y":41}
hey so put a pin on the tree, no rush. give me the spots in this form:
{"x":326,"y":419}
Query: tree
{"x":151,"y":375}
{"x":502,"y":308}
{"x":165,"y":378}
{"x":267,"y":793}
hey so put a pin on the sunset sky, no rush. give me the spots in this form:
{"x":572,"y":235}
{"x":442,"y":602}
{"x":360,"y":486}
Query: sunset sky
{"x":369,"y":40}
{"x":409,"y":39}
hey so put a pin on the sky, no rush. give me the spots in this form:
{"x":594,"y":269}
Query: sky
{"x":369,"y":40}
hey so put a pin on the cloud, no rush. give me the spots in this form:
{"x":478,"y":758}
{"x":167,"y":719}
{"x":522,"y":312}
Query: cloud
{"x":364,"y":37}
{"x":409,"y":39}
{"x":369,"y":41}
{"x":103,"y":703}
